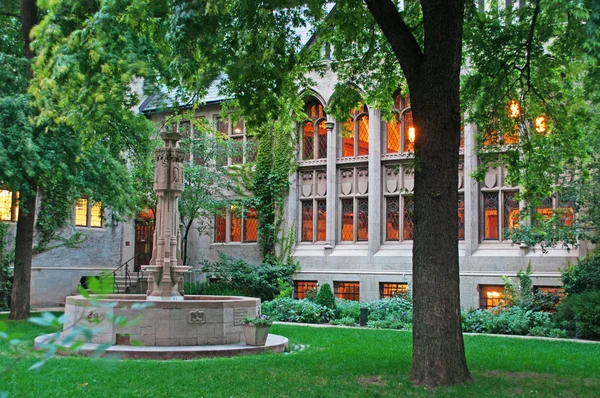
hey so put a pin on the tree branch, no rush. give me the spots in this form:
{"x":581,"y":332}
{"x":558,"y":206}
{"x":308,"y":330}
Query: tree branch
{"x":10,"y":14}
{"x":403,"y":42}
{"x":529,"y":43}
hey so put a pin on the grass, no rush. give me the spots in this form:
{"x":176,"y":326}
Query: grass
{"x":333,"y":362}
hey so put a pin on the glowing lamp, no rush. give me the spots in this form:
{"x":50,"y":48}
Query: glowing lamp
{"x":411,"y":134}
{"x":514,"y":109}
{"x":541,"y":124}
{"x":237,"y":130}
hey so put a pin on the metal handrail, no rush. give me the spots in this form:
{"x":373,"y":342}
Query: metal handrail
{"x":102,"y":277}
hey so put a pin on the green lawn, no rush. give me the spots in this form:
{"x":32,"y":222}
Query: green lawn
{"x":334,"y":362}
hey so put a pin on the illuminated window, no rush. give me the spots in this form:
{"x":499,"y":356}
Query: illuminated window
{"x":354,"y":204}
{"x":461,"y":216}
{"x":236,"y":225}
{"x":393,"y":135}
{"x":243,"y":148}
{"x":391,"y":290}
{"x":511,"y":210}
{"x":557,"y":290}
{"x":355,"y":133}
{"x":409,"y":131}
{"x":313,"y":204}
{"x":301,"y":287}
{"x":392,"y":215}
{"x":490,"y":215}
{"x":221,"y":226}
{"x":9,"y":209}
{"x":408,"y":217}
{"x":490,"y":296}
{"x":250,"y":226}
{"x":347,"y":290}
{"x":96,"y":215}
{"x":564,"y":208}
{"x":314,"y":139}
{"x":88,"y":214}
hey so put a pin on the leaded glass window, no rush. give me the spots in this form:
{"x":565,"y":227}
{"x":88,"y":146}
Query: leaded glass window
{"x":347,"y":290}
{"x":363,"y":219}
{"x":221,"y":226}
{"x":8,"y":206}
{"x":348,"y":220}
{"x":490,"y":215}
{"x":393,"y":135}
{"x":392,"y":215}
{"x":314,"y":140}
{"x":308,"y":144}
{"x":391,"y":290}
{"x":250,"y":226}
{"x":81,"y":212}
{"x":321,"y":219}
{"x":409,"y":132}
{"x":307,"y":221}
{"x":490,"y":296}
{"x":461,"y":216}
{"x":408,"y":218}
{"x":511,"y":210}
{"x":355,"y":133}
{"x":301,"y":287}
{"x":96,"y":215}
{"x":235,"y":226}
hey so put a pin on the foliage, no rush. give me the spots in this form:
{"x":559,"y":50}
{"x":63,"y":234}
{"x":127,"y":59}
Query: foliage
{"x":6,"y":259}
{"x":388,"y":324}
{"x":255,"y":281}
{"x":507,"y":320}
{"x":344,"y":321}
{"x":261,"y":320}
{"x":325,"y":297}
{"x":397,"y":308}
{"x":210,"y":289}
{"x":522,"y":294}
{"x":311,"y":294}
{"x":285,"y":289}
{"x":348,"y":309}
{"x":541,"y":55}
{"x":580,"y":314}
{"x":301,"y":311}
{"x":583,"y":276}
{"x":208,"y":185}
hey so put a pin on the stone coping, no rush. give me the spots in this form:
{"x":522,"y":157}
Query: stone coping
{"x":127,"y":300}
{"x":275,"y":343}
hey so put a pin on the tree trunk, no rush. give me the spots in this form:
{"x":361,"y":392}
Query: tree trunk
{"x":433,"y":78}
{"x":21,"y":289}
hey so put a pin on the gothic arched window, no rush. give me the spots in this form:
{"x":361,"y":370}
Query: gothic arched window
{"x":314,"y":132}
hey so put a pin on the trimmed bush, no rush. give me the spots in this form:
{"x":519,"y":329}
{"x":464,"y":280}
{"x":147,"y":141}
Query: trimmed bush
{"x":580,"y":314}
{"x":325,"y":297}
{"x":301,"y":311}
{"x":210,"y":289}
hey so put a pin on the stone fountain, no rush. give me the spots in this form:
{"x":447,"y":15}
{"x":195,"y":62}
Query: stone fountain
{"x":166,"y":322}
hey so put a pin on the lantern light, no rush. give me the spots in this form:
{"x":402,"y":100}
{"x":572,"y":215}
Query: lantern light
{"x":411,"y":134}
{"x":541,"y":124}
{"x":514,"y":109}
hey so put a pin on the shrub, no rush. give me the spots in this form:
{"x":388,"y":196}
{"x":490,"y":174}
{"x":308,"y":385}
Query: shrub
{"x":249,"y":280}
{"x":474,"y":321}
{"x":387,"y":324}
{"x":583,"y":276}
{"x":395,"y":309}
{"x":325,"y":297}
{"x":345,"y":321}
{"x":211,"y":289}
{"x":348,"y":309}
{"x":580,"y":314}
{"x":311,"y":293}
{"x":301,"y":311}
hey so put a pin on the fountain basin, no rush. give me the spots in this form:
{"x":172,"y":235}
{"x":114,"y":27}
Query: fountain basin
{"x":194,"y":321}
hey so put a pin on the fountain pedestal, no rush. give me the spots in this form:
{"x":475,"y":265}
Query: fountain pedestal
{"x":166,"y":269}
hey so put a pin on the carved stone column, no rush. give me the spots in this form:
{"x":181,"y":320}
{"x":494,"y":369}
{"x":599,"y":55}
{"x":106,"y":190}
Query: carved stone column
{"x":331,"y":184}
{"x":471,"y":192}
{"x":374,"y":180}
{"x":166,"y":266}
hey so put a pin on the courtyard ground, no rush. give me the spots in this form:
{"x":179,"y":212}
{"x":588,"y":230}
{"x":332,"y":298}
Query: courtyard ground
{"x":322,"y":362}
